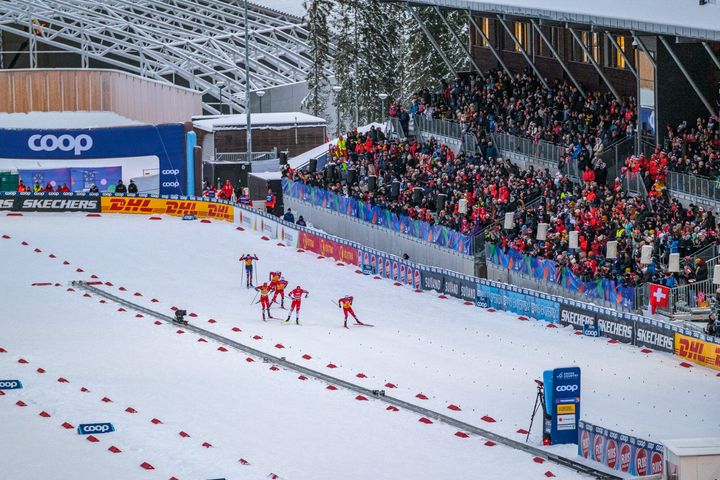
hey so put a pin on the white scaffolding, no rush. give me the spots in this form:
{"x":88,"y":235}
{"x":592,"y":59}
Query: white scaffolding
{"x":195,"y":43}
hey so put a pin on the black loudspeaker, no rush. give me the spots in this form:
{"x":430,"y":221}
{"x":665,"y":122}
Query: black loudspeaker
{"x":372,"y":183}
{"x":417,"y":195}
{"x":351,"y":176}
{"x":283,"y":158}
{"x":440,"y":200}
{"x":312,"y":166}
{"x":330,"y":172}
{"x":395,"y":190}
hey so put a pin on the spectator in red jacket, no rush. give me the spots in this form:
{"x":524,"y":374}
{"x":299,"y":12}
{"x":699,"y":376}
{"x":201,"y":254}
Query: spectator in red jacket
{"x":227,"y":190}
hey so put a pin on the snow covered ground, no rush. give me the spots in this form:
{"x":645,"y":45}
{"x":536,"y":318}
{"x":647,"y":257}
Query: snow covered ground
{"x":451,"y":353}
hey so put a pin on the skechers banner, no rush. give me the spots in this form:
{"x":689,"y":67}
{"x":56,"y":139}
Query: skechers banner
{"x":616,"y":328}
{"x":51,"y":202}
{"x":575,"y":317}
{"x":180,"y":208}
{"x":167,"y":142}
{"x":95,"y":428}
{"x":655,"y":337}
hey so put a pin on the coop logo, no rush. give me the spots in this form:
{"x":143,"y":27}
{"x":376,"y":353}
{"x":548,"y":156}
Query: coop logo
{"x":65,"y":143}
{"x":567,"y":388}
{"x":87,"y":428}
{"x":10,"y":384}
{"x":174,"y":171}
{"x":611,"y":454}
{"x":585,"y":443}
{"x":170,"y":184}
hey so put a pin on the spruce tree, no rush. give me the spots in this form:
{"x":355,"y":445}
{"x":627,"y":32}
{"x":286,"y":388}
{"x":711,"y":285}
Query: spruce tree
{"x":317,"y":14}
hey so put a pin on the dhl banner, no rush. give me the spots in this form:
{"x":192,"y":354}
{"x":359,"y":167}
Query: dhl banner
{"x":698,"y":351}
{"x":328,"y":248}
{"x":156,"y":206}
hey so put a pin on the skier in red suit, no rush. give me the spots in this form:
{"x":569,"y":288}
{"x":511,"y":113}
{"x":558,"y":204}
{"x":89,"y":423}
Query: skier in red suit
{"x":296,"y":296}
{"x":280,"y":290}
{"x":346,"y":304}
{"x":264,"y":290}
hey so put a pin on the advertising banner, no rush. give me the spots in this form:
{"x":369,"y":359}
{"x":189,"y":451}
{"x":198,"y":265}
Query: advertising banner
{"x":546,"y":310}
{"x":618,"y":451}
{"x":565,"y":405}
{"x":698,"y":351}
{"x":655,"y":337}
{"x":288,"y":236}
{"x":159,"y":206}
{"x":433,"y":280}
{"x":268,"y":228}
{"x":247,"y":219}
{"x":491,"y":297}
{"x":576,"y":317}
{"x":616,"y":328}
{"x":459,"y":287}
{"x":387,"y":266}
{"x":328,"y":248}
{"x":167,"y":142}
{"x":51,"y":203}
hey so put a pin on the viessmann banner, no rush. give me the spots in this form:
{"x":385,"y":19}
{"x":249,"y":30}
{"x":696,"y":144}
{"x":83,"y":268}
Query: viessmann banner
{"x":157,"y":206}
{"x":167,"y":142}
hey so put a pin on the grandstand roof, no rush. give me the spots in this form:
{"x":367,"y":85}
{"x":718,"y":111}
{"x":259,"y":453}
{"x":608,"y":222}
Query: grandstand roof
{"x":64,"y":120}
{"x":195,"y":43}
{"x":683,"y":18}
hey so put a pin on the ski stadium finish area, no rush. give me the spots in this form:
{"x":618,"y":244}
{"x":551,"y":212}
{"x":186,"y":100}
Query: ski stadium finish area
{"x":185,"y":406}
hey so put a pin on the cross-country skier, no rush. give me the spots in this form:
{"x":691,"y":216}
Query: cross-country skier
{"x":274,"y":279}
{"x":346,"y":304}
{"x":296,"y":296}
{"x":248,"y":259}
{"x":280,"y":290}
{"x":264,"y":290}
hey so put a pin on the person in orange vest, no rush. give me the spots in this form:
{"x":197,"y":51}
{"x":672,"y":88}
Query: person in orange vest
{"x":270,"y":201}
{"x":346,"y":304}
{"x":280,"y":290}
{"x":22,"y":187}
{"x":264,"y":290}
{"x":248,"y":259}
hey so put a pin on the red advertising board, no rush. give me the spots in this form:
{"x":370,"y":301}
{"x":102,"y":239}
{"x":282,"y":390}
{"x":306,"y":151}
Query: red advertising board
{"x":328,"y":248}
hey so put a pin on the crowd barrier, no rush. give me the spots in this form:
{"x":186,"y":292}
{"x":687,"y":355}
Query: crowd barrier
{"x":548,"y":271}
{"x":620,"y":452}
{"x":437,"y":234}
{"x":625,"y":327}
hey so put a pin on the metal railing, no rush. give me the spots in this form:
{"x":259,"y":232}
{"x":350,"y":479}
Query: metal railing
{"x":393,"y":128}
{"x":702,"y":188}
{"x":614,"y":156}
{"x":439,"y":127}
{"x":524,"y":150}
{"x":242,"y":157}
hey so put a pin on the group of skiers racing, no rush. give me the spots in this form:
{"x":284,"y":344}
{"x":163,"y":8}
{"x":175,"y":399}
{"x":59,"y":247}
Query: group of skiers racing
{"x":276,"y":286}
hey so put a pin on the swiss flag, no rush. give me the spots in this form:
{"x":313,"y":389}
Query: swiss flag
{"x":659,"y":296}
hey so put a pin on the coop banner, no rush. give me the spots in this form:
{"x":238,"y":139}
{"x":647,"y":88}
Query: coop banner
{"x":436,"y":234}
{"x":698,"y":351}
{"x":328,"y":248}
{"x":166,"y":142}
{"x":160,"y":206}
{"x":617,"y":451}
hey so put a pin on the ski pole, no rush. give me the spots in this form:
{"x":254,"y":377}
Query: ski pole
{"x":253,"y":300}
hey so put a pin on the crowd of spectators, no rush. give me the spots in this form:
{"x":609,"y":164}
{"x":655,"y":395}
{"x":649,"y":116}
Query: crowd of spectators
{"x":694,"y":150}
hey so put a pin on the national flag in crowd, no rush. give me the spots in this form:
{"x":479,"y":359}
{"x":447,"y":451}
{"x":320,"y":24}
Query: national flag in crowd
{"x":659,"y":296}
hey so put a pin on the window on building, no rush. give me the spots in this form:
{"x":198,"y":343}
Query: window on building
{"x":592,"y":44}
{"x":485,"y":26}
{"x":521,"y":33}
{"x":552,"y":34}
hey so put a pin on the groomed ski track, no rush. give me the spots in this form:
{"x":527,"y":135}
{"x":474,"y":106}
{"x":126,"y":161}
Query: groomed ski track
{"x":374,"y":394}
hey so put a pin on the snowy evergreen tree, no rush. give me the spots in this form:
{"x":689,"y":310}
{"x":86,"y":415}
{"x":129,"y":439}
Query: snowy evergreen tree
{"x":317,"y":14}
{"x":344,"y":60}
{"x":425,"y":66}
